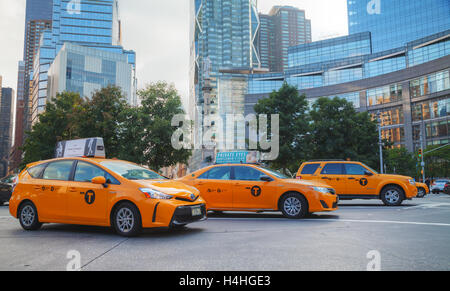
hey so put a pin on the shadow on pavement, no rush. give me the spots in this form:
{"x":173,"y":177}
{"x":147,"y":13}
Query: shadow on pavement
{"x":53,"y":229}
{"x":275,"y":215}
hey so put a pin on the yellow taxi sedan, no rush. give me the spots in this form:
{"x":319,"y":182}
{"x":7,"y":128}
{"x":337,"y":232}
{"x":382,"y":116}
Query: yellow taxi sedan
{"x":102,"y":192}
{"x":248,"y":187}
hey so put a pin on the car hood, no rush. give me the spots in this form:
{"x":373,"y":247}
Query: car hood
{"x":307,"y":183}
{"x":175,"y":188}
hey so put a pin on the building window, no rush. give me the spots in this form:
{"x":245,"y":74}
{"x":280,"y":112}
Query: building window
{"x":384,"y":95}
{"x":429,"y":84}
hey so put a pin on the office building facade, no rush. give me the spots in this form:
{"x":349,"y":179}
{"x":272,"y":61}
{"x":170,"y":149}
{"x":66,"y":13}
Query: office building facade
{"x":90,"y":23}
{"x":283,"y":27}
{"x":409,"y":86}
{"x":7,"y":106}
{"x":16,"y":153}
{"x":86,"y":70}
{"x":38,"y":17}
{"x":396,"y":22}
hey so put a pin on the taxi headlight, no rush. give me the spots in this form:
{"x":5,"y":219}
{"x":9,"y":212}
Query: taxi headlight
{"x":322,"y":190}
{"x":155,"y":194}
{"x":412,"y":182}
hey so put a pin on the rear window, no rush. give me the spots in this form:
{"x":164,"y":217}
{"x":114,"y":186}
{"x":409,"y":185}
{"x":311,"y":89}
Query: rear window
{"x":310,"y":169}
{"x":333,"y":169}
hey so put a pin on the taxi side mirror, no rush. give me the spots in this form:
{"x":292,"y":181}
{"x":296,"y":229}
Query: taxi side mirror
{"x":100,"y":181}
{"x":367,"y":173}
{"x":266,"y":179}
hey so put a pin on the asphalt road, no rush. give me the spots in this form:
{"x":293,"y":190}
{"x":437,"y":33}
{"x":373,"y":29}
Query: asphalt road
{"x":415,"y":236}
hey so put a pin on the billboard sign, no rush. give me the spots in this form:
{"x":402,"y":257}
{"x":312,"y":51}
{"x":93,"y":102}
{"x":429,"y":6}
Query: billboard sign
{"x":88,"y":147}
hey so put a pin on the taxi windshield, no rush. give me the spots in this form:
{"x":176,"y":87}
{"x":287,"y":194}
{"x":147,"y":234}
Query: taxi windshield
{"x":131,"y":171}
{"x":275,"y":173}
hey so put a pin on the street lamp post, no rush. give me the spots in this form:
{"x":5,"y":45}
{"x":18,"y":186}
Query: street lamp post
{"x":380,"y":143}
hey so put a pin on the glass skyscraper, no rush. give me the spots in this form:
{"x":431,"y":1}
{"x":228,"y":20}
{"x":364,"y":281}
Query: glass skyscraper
{"x":223,"y":42}
{"x":396,"y":22}
{"x":283,"y":27}
{"x":90,"y":23}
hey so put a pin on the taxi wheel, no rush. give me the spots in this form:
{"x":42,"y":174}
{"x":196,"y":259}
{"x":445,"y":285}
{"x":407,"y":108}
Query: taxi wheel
{"x":421,"y":193}
{"x":127,"y":220}
{"x":392,"y":196}
{"x":294,"y":206}
{"x":28,"y":216}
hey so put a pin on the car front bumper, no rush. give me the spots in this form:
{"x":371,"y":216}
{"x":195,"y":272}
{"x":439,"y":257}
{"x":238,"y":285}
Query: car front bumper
{"x":184,"y":215}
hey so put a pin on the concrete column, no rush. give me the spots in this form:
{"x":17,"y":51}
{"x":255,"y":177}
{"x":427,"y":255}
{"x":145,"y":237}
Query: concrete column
{"x":407,"y":111}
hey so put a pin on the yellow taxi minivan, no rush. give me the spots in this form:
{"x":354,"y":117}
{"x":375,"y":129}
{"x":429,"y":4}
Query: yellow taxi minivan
{"x":249,"y":187}
{"x":102,"y":192}
{"x":355,"y":180}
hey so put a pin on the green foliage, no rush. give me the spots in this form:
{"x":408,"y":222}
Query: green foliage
{"x":55,"y":124}
{"x":437,"y":163}
{"x":160,"y":102}
{"x":340,"y":132}
{"x":294,"y":125}
{"x":332,"y":129}
{"x":137,"y":134}
{"x":400,"y":161}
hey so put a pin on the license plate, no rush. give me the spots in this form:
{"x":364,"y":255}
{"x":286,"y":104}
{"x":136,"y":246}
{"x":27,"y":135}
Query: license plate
{"x":197,"y":211}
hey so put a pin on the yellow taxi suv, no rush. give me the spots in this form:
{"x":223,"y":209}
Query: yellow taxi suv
{"x":355,"y":180}
{"x":102,"y":192}
{"x":249,"y":187}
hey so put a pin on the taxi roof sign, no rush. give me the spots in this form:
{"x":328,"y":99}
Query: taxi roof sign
{"x":87,"y":147}
{"x":241,"y":157}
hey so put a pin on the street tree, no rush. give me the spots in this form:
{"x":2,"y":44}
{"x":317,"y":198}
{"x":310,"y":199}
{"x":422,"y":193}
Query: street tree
{"x":294,"y":126}
{"x":55,"y":124}
{"x":338,"y":131}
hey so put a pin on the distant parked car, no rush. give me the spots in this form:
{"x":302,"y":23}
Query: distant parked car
{"x":447,"y":188}
{"x":6,"y":188}
{"x":439,"y":185}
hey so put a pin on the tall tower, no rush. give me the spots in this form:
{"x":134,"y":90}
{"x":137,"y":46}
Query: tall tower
{"x":38,"y":18}
{"x":223,"y":37}
{"x":283,"y":27}
{"x":89,"y":23}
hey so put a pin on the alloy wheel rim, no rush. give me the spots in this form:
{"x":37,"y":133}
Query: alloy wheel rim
{"x":421,"y":192}
{"x":292,"y":206}
{"x":27,"y":215}
{"x":125,"y":220}
{"x":392,"y":196}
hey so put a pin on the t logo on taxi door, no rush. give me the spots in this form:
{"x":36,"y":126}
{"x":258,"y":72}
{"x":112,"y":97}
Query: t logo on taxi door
{"x":256,"y":191}
{"x":363,"y":182}
{"x":89,"y":197}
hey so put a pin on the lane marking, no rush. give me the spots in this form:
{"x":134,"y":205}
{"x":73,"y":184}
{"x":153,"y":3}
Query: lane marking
{"x":341,"y":220}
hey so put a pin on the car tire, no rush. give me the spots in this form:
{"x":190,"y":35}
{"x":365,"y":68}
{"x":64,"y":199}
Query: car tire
{"x":421,"y":193}
{"x":392,"y":196}
{"x":126,"y":220}
{"x":294,"y":206}
{"x":28,"y":217}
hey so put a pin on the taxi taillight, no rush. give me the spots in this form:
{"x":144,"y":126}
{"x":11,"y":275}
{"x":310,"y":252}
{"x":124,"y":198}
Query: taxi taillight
{"x":299,"y":177}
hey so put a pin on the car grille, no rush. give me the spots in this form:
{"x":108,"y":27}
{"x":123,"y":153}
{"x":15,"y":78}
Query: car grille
{"x":183,"y":214}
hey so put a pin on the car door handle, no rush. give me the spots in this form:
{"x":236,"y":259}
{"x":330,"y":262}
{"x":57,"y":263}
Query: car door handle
{"x":326,"y":178}
{"x":351,"y":178}
{"x":71,"y":189}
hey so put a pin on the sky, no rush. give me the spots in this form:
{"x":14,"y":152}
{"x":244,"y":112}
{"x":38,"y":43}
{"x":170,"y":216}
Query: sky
{"x":158,"y":30}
